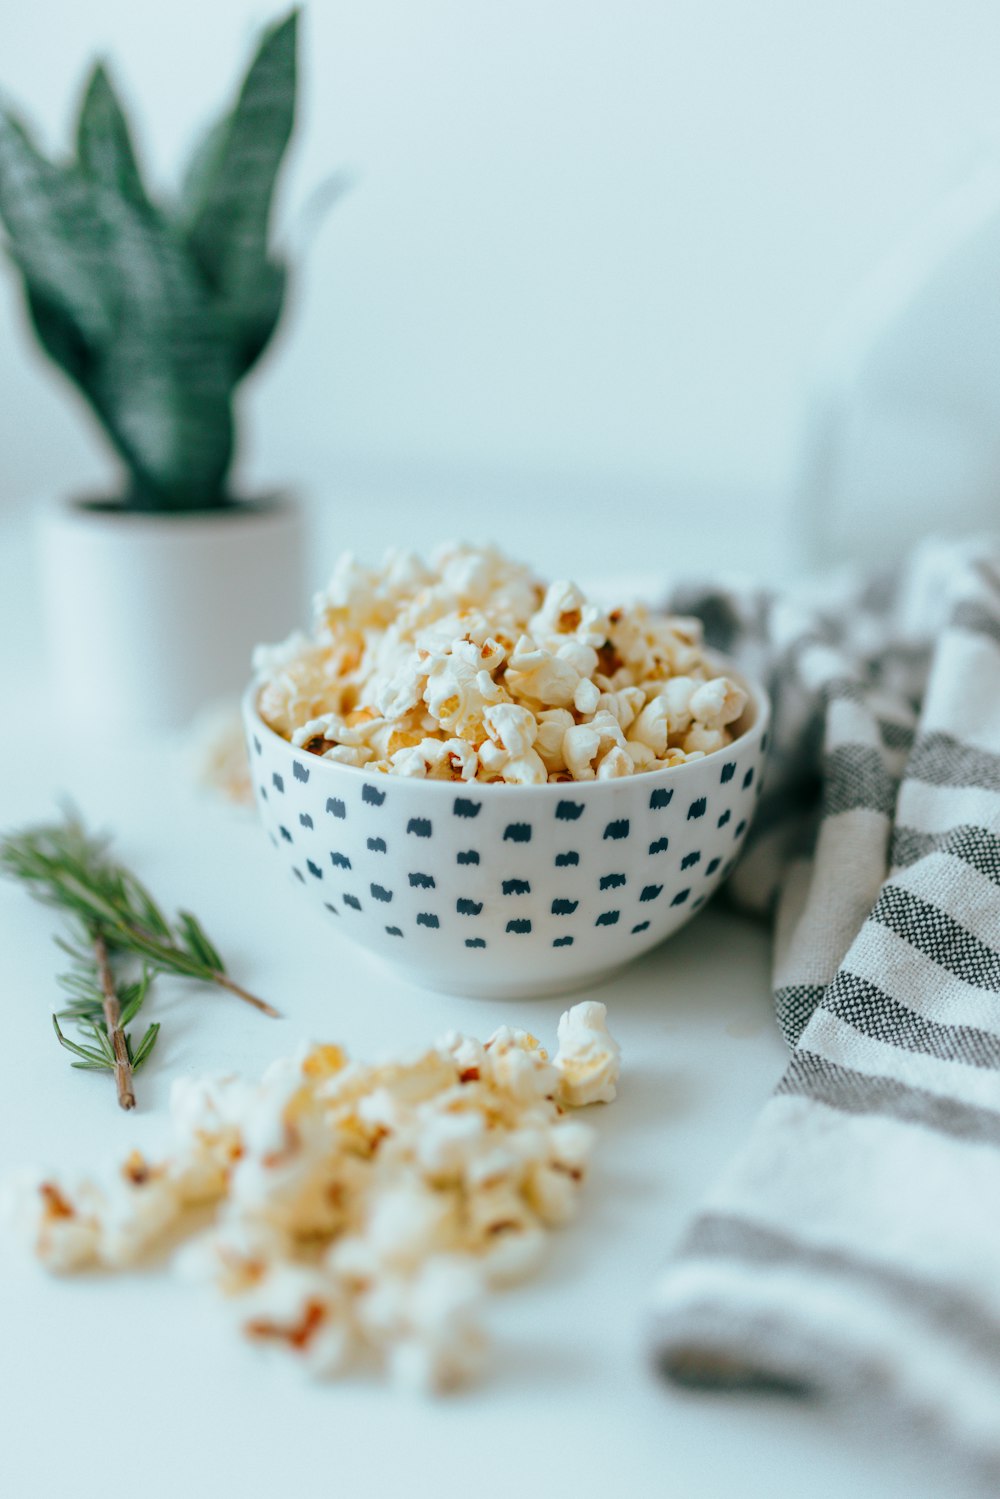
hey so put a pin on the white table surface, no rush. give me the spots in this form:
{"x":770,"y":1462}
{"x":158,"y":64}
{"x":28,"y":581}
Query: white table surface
{"x":134,"y":1386}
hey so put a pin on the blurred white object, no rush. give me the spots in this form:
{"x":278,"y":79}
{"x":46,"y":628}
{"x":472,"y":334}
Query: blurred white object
{"x":216,"y":752}
{"x":903,"y":430}
{"x":150,"y":617}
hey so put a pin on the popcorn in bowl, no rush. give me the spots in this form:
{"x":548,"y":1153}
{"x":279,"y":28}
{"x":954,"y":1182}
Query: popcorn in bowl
{"x":361,"y":1211}
{"x":471,"y":669}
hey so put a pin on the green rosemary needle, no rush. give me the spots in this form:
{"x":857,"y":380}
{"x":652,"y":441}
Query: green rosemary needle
{"x":112,"y":918}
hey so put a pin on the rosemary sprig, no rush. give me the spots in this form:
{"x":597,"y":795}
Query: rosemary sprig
{"x":111,"y":917}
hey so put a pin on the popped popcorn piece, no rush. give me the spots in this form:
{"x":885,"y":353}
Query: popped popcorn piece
{"x":409,"y":1222}
{"x":269,"y":660}
{"x":641,"y":755}
{"x":581,"y":747}
{"x":308,"y":684}
{"x":625,"y":705}
{"x":513,"y":1256}
{"x":565,"y":611}
{"x":717,"y":703}
{"x":459,"y":691}
{"x":438,"y":759}
{"x":511,"y":728}
{"x":467,"y":1052}
{"x":110,"y":1223}
{"x":397,"y":697}
{"x":474,"y":648}
{"x":140,"y":1202}
{"x":492,"y":759}
{"x":332,"y":729}
{"x":677,"y":695}
{"x":586,"y":697}
{"x":706,"y":741}
{"x":538,"y":675}
{"x":62,"y":1225}
{"x":589,"y":1058}
{"x":582,"y":657}
{"x":449,"y":1144}
{"x":361,"y":1211}
{"x":552,"y":1194}
{"x":429,"y":1325}
{"x":614,"y":764}
{"x":349,"y":754}
{"x":216,"y":752}
{"x":553,"y":725}
{"x":298,"y":1308}
{"x":351,"y":590}
{"x":652,"y":725}
{"x":528,"y":769}
{"x":518,"y":1065}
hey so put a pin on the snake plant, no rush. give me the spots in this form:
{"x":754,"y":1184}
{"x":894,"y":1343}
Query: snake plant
{"x":157,"y":310}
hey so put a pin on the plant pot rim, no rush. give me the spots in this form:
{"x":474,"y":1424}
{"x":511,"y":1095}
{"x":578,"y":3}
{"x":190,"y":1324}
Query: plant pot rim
{"x":87,"y":510}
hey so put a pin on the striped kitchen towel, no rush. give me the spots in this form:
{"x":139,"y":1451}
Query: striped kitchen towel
{"x":853,"y":1244}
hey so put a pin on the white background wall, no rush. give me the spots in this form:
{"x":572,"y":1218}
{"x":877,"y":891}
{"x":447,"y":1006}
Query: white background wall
{"x":587,"y":258}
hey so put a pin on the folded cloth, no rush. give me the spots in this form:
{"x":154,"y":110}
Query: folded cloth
{"x":853,"y":1244}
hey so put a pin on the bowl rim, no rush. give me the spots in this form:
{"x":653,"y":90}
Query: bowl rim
{"x":757,"y":693}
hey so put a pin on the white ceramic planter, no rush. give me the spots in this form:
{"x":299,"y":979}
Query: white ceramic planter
{"x":150,"y":617}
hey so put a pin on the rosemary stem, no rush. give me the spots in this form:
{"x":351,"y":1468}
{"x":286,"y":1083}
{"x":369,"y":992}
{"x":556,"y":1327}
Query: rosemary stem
{"x":225,"y":982}
{"x":112,"y":1020}
{"x":159,"y":951}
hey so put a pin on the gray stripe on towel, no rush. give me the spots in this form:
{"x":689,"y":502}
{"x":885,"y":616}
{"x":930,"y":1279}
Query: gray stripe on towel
{"x":868,"y":1009}
{"x":855,"y":775}
{"x":721,"y":1235}
{"x":938,"y":936}
{"x":941,"y":760}
{"x":975,"y":845}
{"x":849,"y":1092}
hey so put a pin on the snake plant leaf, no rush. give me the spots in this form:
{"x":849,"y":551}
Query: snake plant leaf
{"x":103,"y":140}
{"x":56,"y":237}
{"x":229,"y":222}
{"x":199,"y":175}
{"x":59,"y":336}
{"x":255,"y":321}
{"x":157,"y":314}
{"x":164,"y":385}
{"x":254,"y":317}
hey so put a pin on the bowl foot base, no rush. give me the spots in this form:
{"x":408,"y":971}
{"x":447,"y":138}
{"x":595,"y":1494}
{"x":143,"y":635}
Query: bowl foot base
{"x":498,"y":987}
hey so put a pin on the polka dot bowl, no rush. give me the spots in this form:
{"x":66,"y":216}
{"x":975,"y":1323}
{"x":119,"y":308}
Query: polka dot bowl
{"x":507,"y":891}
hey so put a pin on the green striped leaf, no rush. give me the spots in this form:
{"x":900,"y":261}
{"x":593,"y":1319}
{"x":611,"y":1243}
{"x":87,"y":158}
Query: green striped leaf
{"x":226,"y":202}
{"x":103,"y":141}
{"x":156,"y":316}
{"x":60,"y":336}
{"x":164,"y":386}
{"x":57,"y":236}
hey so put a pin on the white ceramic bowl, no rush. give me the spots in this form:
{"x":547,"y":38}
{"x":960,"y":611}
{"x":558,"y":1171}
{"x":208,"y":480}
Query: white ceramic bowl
{"x":507,"y":891}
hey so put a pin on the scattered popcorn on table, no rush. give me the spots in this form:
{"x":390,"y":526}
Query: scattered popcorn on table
{"x":588,"y":1059}
{"x":217,"y":752}
{"x":473,"y":670}
{"x":361,"y":1211}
